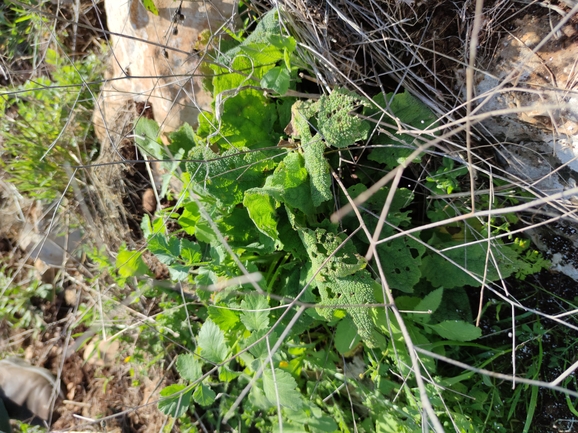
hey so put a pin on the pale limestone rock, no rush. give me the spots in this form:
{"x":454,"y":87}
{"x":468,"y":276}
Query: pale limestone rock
{"x":541,"y":88}
{"x":101,"y":353}
{"x":156,"y":61}
{"x":536,"y":78}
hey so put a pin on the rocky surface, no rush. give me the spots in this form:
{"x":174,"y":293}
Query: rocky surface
{"x":533,"y":83}
{"x":155,"y":59}
{"x":529,"y":100}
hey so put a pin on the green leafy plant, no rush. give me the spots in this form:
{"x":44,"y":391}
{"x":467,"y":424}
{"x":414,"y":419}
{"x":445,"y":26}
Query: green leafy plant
{"x":19,"y":303}
{"x":18,"y":30}
{"x":51,"y":126}
{"x":150,"y":6}
{"x":291,"y":308}
{"x":446,"y":177}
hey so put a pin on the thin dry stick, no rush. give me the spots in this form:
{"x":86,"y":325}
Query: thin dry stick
{"x":387,"y":293}
{"x":488,"y":249}
{"x":384,"y":212}
{"x":501,"y":376}
{"x":470,"y":91}
{"x":480,"y":214}
{"x":564,"y":375}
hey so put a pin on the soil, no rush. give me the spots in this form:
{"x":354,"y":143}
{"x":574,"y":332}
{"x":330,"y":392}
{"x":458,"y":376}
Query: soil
{"x":114,"y":391}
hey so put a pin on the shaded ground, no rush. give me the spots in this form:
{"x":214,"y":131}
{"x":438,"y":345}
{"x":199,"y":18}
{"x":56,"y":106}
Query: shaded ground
{"x":116,"y":389}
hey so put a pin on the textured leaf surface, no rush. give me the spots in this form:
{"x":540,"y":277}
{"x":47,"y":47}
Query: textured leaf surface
{"x":342,"y":281}
{"x":256,"y":312}
{"x":313,"y":152}
{"x":338,"y":124}
{"x":227,"y":176}
{"x":189,"y":367}
{"x":318,"y":169}
{"x":211,"y":341}
{"x":281,"y":388}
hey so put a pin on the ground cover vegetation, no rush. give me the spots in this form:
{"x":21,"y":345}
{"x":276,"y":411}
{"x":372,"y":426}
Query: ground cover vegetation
{"x":280,"y":313}
{"x":309,"y":342}
{"x":48,"y":114}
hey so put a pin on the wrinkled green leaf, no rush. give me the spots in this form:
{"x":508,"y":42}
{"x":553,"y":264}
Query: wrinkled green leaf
{"x":211,"y":341}
{"x":255,"y":316}
{"x":319,"y":173}
{"x":338,"y":124}
{"x":189,"y":367}
{"x":280,"y":388}
{"x":227,"y":176}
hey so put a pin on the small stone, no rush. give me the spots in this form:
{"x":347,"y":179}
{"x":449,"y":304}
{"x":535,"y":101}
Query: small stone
{"x":70,"y":296}
{"x":149,"y":201}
